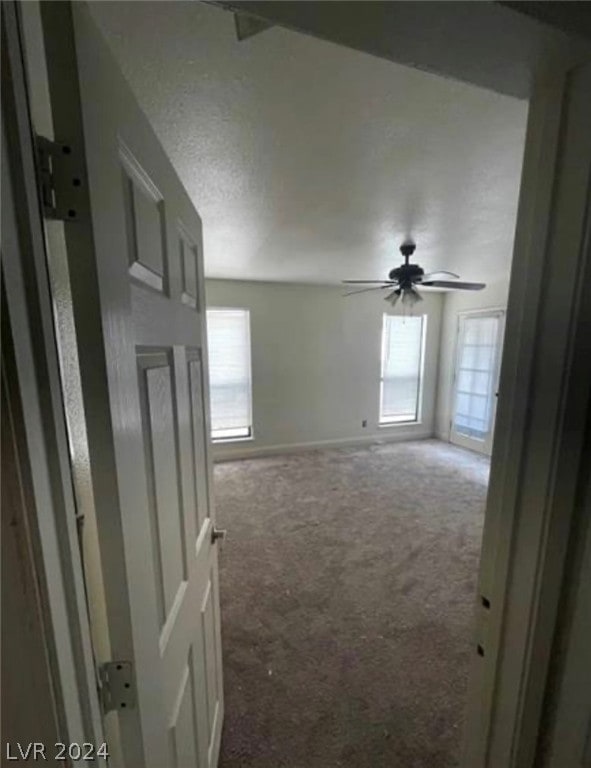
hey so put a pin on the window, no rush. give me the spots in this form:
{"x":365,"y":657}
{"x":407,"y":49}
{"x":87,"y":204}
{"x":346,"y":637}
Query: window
{"x":402,"y":368}
{"x":228,"y":339}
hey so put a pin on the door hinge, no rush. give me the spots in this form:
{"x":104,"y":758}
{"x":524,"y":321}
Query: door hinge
{"x":60,"y":180}
{"x":116,"y":685}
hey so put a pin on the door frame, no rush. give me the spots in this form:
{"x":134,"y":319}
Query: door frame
{"x":506,"y":688}
{"x":461,"y":440}
{"x":569,"y":740}
{"x":34,"y":379}
{"x":538,"y":449}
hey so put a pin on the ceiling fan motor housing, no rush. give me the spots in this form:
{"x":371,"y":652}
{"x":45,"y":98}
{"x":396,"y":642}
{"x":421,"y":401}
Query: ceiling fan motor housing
{"x":406,"y":273}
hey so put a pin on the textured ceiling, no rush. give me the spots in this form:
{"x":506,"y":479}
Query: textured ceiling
{"x":310,"y":162}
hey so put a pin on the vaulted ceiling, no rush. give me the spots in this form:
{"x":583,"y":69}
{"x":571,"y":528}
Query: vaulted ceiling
{"x":310,"y":162}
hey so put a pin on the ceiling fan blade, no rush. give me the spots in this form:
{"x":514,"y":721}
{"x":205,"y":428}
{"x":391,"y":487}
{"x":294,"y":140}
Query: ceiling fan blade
{"x":364,"y":290}
{"x":384,"y":282}
{"x":431,"y":275}
{"x":454,"y":284}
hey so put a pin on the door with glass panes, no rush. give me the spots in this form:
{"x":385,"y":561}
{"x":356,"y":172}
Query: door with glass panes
{"x":476,"y":377}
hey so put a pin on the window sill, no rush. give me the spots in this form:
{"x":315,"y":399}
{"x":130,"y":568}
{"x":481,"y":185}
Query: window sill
{"x":390,"y":424}
{"x":224,"y":440}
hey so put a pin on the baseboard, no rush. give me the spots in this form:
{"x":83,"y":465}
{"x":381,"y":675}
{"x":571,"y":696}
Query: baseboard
{"x":251,"y":452}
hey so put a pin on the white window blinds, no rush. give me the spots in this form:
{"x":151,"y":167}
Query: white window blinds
{"x":402,"y":362}
{"x":228,"y":339}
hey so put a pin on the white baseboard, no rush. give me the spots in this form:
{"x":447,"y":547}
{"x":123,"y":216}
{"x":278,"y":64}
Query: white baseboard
{"x":221,"y":454}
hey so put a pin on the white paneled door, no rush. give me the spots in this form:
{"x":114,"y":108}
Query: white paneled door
{"x":478,"y":357}
{"x":136,"y":264}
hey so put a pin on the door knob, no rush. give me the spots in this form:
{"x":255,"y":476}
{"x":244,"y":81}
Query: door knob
{"x":217,"y":533}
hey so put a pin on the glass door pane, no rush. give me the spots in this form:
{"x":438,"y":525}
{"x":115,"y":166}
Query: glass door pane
{"x":476,"y":380}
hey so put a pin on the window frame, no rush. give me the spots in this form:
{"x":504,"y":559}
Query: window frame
{"x":233,"y":438}
{"x":386,"y":422}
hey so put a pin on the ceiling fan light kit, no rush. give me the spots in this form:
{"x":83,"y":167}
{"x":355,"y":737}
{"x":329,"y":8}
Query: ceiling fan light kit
{"x":393,"y":296}
{"x":405,"y":279}
{"x":411,"y":296}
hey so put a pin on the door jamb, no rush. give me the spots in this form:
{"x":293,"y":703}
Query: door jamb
{"x":29,"y":306}
{"x":535,"y":454}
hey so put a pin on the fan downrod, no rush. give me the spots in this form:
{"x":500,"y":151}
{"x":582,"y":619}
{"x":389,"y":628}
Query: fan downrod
{"x":407,"y":250}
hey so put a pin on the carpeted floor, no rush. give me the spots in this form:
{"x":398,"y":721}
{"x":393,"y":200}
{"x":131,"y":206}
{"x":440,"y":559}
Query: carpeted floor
{"x":347,"y":585}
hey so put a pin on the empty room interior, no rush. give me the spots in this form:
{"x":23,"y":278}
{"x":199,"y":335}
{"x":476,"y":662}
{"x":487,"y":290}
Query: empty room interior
{"x":352,"y":422}
{"x":296,"y":384}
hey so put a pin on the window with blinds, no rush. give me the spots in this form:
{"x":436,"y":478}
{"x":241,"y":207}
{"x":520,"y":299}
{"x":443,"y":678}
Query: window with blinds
{"x":402,"y":367}
{"x":228,"y":340}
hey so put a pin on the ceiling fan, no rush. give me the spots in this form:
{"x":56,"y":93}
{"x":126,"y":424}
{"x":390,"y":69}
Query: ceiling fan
{"x":403,"y":281}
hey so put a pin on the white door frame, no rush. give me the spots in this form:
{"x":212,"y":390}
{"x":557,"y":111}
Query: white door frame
{"x":535,"y":457}
{"x":43,"y":430}
{"x":545,"y":385}
{"x":569,"y":739}
{"x":457,"y":438}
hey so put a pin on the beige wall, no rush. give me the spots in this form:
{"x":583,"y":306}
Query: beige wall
{"x":494,"y":296}
{"x":316,"y":364}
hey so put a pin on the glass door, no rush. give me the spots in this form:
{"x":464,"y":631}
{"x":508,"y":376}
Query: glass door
{"x":480,"y":340}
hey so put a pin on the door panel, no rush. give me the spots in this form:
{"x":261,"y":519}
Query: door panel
{"x":199,"y":440}
{"x":163,"y":484}
{"x":183,"y":728}
{"x":136,"y":263}
{"x":189,"y":257}
{"x":209,"y":632}
{"x":144,"y":218}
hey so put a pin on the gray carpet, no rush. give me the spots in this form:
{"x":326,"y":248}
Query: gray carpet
{"x":347,"y":586}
